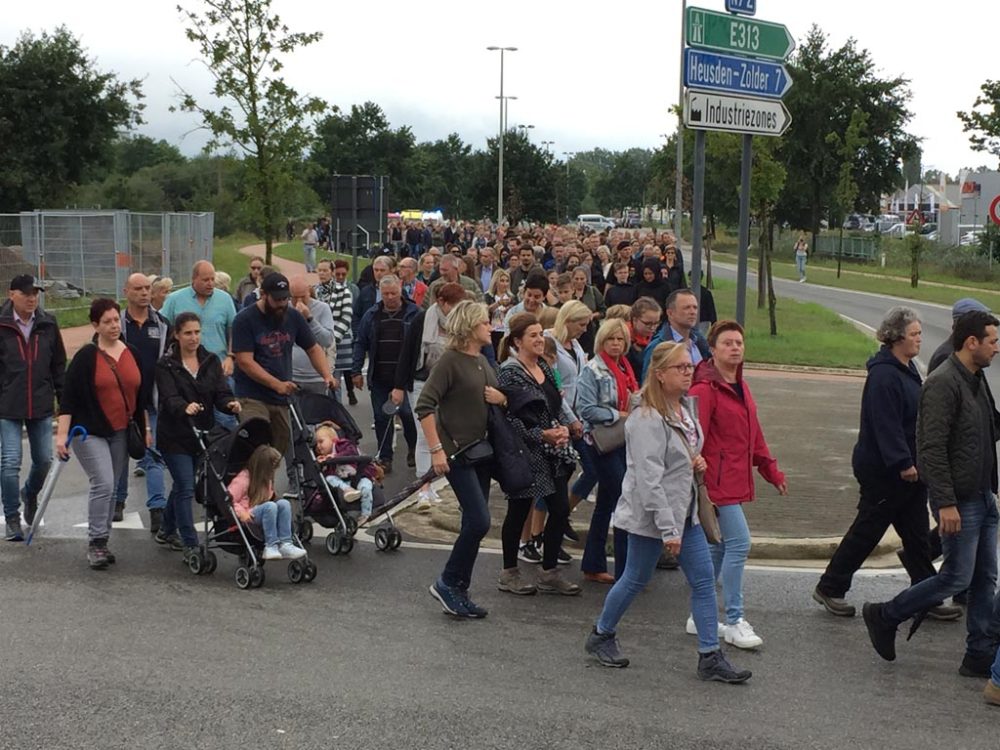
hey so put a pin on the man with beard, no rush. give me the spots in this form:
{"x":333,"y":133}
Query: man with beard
{"x":263,"y":337}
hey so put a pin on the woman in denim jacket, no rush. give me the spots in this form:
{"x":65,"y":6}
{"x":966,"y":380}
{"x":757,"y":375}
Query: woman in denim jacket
{"x":604,"y":396}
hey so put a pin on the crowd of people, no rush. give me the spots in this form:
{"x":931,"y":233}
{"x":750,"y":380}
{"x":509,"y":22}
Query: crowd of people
{"x":559,"y":364}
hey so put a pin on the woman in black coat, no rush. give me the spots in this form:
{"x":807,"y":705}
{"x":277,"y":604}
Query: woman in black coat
{"x":191,"y":386}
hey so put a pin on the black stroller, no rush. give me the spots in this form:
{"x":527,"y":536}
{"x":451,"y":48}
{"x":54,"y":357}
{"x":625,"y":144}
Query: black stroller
{"x":223,"y":455}
{"x":320,"y":502}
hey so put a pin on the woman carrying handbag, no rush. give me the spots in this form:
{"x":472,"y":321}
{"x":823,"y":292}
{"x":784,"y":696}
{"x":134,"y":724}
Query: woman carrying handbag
{"x":659,"y":509}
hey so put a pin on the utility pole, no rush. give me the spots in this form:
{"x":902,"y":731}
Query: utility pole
{"x":679,"y":186}
{"x":503,"y":125}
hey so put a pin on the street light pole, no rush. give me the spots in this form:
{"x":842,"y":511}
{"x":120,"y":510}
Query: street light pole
{"x":547,"y":144}
{"x":569,"y":155}
{"x":503,"y":125}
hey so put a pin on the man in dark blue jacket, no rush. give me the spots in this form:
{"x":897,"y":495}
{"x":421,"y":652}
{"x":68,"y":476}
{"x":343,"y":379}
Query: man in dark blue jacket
{"x":680,"y":326}
{"x":884,"y":462}
{"x":380,"y":336}
{"x":32,"y":372}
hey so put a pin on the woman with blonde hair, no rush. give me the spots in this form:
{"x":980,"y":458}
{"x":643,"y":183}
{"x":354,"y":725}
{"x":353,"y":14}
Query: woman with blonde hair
{"x":160,"y":287}
{"x":658,"y":510}
{"x":452,"y":409}
{"x":499,"y":299}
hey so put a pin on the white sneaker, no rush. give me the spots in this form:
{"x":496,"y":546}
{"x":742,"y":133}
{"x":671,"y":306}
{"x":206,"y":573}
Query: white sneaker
{"x":435,"y":497}
{"x":289,"y":551}
{"x":690,"y":628}
{"x":741,"y":635}
{"x":352,"y":496}
{"x":271,"y":552}
{"x":424,"y":501}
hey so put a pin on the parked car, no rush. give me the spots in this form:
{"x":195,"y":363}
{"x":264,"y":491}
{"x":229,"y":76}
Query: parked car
{"x":594,"y":222}
{"x":971,"y":237}
{"x":899,"y":229}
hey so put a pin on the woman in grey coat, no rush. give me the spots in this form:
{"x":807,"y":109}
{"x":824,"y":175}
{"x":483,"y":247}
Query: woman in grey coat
{"x":659,"y":511}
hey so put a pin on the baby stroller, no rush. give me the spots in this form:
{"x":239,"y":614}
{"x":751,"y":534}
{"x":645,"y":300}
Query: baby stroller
{"x":223,"y":455}
{"x":320,"y":502}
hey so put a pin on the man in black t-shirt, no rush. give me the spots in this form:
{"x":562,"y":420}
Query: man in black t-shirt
{"x":263,"y":337}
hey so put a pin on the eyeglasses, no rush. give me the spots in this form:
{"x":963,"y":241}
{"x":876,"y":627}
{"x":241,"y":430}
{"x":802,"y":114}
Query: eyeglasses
{"x":686,"y":367}
{"x":256,"y":268}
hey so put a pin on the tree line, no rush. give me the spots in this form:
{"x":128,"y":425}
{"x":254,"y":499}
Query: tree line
{"x":273,"y":151}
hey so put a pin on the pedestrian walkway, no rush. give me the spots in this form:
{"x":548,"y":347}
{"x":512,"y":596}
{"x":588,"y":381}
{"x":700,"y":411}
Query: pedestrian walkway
{"x":810,"y":421}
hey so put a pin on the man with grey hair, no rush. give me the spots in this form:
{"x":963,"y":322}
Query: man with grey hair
{"x":451,"y":274}
{"x":380,"y":337}
{"x":413,"y":288}
{"x":885,"y":465}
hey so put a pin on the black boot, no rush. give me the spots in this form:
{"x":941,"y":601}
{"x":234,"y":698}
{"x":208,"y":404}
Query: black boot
{"x":881,"y":633}
{"x":715,"y":667}
{"x":155,"y":519}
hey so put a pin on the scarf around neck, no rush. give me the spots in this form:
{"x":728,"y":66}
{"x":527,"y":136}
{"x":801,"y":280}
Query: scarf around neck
{"x":625,"y":382}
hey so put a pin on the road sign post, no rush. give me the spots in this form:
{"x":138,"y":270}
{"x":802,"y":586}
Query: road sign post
{"x":721,"y":32}
{"x":995,"y":210}
{"x":743,"y":7}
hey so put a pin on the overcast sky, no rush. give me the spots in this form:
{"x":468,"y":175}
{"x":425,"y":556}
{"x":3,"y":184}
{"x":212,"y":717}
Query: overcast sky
{"x":586,"y":74}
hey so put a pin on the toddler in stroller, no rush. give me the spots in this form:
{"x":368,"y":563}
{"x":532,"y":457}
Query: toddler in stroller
{"x":345,"y":476}
{"x":252,"y":491}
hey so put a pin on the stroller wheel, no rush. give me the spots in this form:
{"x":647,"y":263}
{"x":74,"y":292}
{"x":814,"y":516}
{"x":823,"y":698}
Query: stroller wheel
{"x":309,"y":573}
{"x":395,"y":538}
{"x":305,"y":531}
{"x":295,"y":571}
{"x":211,"y":563}
{"x":352,"y":525}
{"x":196,"y":563}
{"x":257,"y":577}
{"x":243,"y":577}
{"x":382,"y":539}
{"x":346,"y":545}
{"x":333,"y":543}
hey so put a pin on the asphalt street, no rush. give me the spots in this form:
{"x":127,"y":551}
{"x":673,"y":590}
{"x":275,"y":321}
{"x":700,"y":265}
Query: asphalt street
{"x":147,"y":655}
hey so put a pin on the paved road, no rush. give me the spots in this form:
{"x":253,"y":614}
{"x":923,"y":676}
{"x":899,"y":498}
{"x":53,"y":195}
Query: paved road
{"x":146,"y":655}
{"x":865,"y":307}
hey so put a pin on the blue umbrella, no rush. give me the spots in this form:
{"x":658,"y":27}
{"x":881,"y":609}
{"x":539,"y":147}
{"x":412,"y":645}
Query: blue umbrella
{"x":50,"y":482}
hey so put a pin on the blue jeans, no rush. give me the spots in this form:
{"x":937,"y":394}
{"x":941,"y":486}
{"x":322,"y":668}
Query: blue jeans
{"x":800,"y":265}
{"x":178,"y":515}
{"x":275,"y":519}
{"x":729,"y":558}
{"x":11,"y":452}
{"x":696,"y":562}
{"x":588,"y":478}
{"x":610,"y":474}
{"x":384,"y":422}
{"x":309,"y":257}
{"x":472,"y":488}
{"x":154,"y":474}
{"x":970,"y":562}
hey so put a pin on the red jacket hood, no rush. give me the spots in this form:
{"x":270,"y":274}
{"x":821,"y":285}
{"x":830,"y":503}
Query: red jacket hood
{"x":706,"y":372}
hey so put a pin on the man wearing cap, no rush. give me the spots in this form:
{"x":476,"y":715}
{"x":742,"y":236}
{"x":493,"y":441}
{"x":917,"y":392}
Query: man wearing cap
{"x":32,"y":371}
{"x":263,"y":337}
{"x":960,"y":308}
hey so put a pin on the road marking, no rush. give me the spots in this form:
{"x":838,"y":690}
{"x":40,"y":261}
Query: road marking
{"x":131,"y":521}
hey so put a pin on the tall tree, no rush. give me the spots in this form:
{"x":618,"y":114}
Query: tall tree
{"x":362,"y":142}
{"x":982,"y":122}
{"x":846,"y":192}
{"x":829,"y":85}
{"x":243,"y":44}
{"x":59,"y":116}
{"x":624,"y":184}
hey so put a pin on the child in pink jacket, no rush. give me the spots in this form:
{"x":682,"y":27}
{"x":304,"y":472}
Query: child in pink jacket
{"x":252,"y":492}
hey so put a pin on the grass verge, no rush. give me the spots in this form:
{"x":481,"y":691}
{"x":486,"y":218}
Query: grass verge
{"x":896,"y":287}
{"x":293,"y":251}
{"x":808,"y":334}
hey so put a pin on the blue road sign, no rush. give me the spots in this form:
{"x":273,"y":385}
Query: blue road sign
{"x":743,"y":7}
{"x":737,"y":75}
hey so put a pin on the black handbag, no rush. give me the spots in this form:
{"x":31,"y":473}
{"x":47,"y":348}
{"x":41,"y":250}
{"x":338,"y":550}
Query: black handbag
{"x":473,"y":454}
{"x":135,"y":437}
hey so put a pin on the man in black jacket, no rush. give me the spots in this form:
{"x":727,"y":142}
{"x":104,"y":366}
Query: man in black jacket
{"x":956,"y":458}
{"x":32,"y":372}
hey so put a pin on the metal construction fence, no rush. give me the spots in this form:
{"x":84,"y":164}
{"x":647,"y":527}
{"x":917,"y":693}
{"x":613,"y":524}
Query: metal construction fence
{"x":864,"y":248}
{"x":89,"y":253}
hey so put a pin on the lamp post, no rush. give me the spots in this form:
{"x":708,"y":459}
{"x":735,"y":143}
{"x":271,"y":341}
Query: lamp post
{"x":503,"y":125}
{"x":547,"y":144}
{"x":569,"y":155}
{"x":524,"y":129}
{"x":678,"y":187}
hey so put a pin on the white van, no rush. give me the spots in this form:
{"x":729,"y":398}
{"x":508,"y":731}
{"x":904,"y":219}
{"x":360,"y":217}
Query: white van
{"x":594,"y":222}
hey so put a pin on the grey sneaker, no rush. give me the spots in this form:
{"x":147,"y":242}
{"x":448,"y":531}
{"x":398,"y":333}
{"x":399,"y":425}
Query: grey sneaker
{"x":510,"y":581}
{"x":833,"y":604}
{"x":713,"y":666}
{"x":945,"y":612}
{"x":14,"y":531}
{"x":552,"y":582}
{"x":172,"y":541}
{"x":604,"y":646}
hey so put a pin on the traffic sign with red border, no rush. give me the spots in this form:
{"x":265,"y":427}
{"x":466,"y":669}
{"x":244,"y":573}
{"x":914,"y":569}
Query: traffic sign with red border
{"x":995,"y":210}
{"x":915,"y":217}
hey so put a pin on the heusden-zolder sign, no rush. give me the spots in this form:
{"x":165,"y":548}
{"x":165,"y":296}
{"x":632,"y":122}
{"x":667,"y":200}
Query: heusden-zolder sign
{"x":708,"y":110}
{"x":735,"y":75}
{"x":707,"y":29}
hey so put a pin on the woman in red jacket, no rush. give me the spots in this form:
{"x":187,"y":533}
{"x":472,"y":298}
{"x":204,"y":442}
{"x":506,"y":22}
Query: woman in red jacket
{"x":734,"y":444}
